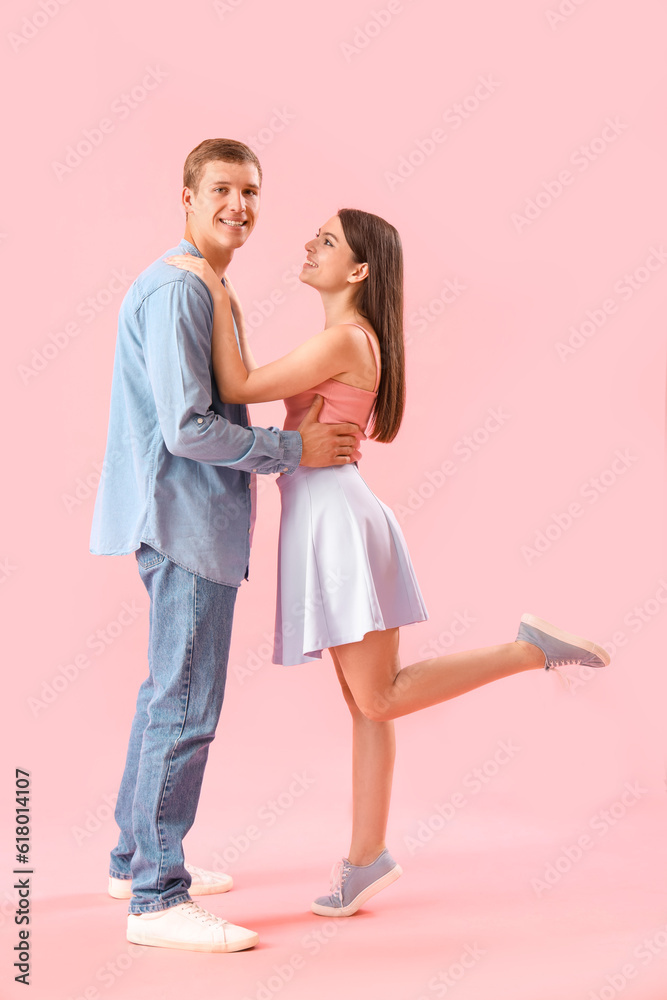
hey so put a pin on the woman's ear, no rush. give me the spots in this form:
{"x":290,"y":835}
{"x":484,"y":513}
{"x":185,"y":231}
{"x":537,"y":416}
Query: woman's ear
{"x":360,"y":272}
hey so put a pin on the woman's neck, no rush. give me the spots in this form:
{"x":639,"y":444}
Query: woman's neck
{"x":339,"y":308}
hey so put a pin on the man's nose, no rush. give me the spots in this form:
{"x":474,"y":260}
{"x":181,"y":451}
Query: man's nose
{"x":236,"y":201}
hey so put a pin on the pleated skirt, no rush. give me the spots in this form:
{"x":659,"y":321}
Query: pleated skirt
{"x":343,"y":565}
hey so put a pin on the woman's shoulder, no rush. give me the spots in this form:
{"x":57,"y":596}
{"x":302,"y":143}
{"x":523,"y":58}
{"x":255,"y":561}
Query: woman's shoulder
{"x":364,"y":364}
{"x":353,"y":334}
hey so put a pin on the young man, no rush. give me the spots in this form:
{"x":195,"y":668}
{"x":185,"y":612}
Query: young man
{"x":177,"y":490}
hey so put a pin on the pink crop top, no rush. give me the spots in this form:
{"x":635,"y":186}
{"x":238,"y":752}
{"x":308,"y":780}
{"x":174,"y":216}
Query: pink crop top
{"x":343,"y":403}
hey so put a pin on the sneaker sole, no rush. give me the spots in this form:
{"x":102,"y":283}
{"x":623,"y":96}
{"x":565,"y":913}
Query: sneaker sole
{"x":195,"y":890}
{"x":216,"y":947}
{"x":569,"y":637}
{"x":358,"y":901}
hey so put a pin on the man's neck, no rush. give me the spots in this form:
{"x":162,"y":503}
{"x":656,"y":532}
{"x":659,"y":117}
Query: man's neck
{"x":218,"y":257}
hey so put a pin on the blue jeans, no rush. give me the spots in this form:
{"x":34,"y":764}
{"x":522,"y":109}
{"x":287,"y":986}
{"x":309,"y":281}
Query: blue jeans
{"x":177,"y":713}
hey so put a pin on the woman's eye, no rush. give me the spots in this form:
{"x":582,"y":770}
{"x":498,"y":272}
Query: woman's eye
{"x":329,"y":242}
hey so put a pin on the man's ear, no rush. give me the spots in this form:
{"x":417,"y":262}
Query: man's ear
{"x":186,"y":199}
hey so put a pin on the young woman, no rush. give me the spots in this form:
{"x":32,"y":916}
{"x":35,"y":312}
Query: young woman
{"x":345,"y":579}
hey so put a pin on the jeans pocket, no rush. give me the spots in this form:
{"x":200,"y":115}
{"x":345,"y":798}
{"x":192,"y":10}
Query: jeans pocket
{"x":147,"y":556}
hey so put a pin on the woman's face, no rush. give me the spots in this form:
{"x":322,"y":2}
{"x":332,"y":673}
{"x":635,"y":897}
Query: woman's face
{"x":330,"y":265}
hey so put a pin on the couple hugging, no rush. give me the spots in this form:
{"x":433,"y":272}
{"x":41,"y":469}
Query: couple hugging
{"x":179,"y":494}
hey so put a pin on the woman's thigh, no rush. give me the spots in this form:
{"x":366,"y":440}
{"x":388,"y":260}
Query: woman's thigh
{"x":369,"y":668}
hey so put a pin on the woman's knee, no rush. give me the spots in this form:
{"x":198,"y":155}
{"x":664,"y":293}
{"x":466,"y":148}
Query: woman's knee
{"x":380,"y":706}
{"x":373,"y":708}
{"x":376,"y":707}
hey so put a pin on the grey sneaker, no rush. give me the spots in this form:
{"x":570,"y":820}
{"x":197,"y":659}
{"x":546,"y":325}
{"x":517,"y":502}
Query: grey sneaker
{"x":352,"y":885}
{"x":559,"y":647}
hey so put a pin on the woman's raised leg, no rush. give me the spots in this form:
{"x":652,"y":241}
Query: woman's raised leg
{"x":383,"y":691}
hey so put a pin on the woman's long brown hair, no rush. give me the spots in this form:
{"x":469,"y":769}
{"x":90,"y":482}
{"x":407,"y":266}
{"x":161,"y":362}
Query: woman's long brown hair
{"x":380,"y":301}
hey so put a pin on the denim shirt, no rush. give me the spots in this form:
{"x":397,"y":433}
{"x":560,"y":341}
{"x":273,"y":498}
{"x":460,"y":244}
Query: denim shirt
{"x":178,"y":466}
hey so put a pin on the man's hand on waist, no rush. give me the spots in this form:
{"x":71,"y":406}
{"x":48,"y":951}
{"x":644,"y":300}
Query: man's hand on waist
{"x":326,"y":444}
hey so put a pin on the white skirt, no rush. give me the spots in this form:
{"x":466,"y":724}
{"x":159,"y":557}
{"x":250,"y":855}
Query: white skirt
{"x":343,"y":565}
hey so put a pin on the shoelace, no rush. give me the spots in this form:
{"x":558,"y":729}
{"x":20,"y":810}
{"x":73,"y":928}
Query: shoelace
{"x":195,"y":911}
{"x":562,"y":663}
{"x":339,"y":873}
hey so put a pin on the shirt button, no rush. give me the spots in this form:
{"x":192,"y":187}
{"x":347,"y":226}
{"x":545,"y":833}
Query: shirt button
{"x":200,"y":420}
{"x":285,"y":469}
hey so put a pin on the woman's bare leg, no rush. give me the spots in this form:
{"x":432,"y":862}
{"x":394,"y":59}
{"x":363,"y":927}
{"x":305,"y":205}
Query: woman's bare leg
{"x":373,"y":752}
{"x":382,"y":691}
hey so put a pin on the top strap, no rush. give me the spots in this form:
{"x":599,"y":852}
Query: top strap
{"x":376,"y":354}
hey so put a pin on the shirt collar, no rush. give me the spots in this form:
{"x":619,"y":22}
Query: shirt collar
{"x":188,"y":247}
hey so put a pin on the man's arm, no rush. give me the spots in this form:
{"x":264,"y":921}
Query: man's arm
{"x":176,"y":322}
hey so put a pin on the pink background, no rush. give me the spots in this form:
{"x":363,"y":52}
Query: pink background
{"x":359,"y":93}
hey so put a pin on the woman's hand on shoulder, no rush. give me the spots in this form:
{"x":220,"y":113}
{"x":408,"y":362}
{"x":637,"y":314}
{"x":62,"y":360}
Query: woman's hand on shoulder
{"x":201,"y":267}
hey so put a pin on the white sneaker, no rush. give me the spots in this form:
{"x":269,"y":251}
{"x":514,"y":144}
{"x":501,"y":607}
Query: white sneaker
{"x":204,"y":883}
{"x":189,"y":927}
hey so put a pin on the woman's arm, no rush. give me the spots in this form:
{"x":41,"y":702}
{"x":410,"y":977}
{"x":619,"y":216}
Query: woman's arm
{"x":246,"y":352}
{"x":228,"y":365}
{"x":321,"y":357}
{"x":329,"y":353}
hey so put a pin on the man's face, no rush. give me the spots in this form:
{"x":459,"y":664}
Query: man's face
{"x":225,"y":208}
